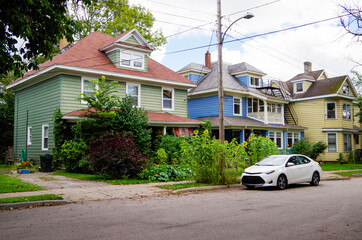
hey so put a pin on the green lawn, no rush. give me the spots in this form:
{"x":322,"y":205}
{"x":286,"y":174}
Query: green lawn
{"x":349,"y":173}
{"x":100,"y":178}
{"x":184,"y":185}
{"x":13,"y":184}
{"x":30,"y":198}
{"x":336,"y":167}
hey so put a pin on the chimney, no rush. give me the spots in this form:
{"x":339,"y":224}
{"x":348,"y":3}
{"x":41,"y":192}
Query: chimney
{"x":307,"y":67}
{"x":63,"y":43}
{"x":208,"y":60}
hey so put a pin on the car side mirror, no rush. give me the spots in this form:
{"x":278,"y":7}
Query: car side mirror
{"x":289,"y":164}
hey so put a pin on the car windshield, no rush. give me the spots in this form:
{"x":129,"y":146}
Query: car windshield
{"x":275,"y":160}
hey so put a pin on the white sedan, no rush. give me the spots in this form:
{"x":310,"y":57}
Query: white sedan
{"x":281,"y":170}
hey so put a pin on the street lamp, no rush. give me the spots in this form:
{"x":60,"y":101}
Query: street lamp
{"x":220,"y":38}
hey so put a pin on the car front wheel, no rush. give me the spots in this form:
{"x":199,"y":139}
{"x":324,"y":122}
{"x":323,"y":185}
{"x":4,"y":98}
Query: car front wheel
{"x":282,"y":182}
{"x":315,"y":179}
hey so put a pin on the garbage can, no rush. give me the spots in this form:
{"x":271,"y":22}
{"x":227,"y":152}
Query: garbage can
{"x":46,"y":163}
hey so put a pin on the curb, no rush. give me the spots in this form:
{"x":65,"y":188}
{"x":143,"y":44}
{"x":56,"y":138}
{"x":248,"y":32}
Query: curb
{"x":10,"y":206}
{"x":336,"y":179}
{"x":208,"y":188}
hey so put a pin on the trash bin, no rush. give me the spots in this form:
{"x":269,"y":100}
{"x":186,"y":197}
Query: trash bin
{"x":46,"y":163}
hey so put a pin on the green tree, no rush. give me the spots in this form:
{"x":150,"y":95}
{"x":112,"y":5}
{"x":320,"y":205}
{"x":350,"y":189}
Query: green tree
{"x":6,"y":114}
{"x":114,"y":17}
{"x":40,"y":24}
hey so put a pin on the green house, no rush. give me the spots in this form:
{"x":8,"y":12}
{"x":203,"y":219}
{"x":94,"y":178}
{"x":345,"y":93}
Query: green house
{"x":57,"y":84}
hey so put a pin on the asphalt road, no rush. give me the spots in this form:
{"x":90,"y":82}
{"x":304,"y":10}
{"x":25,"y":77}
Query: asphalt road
{"x":332,"y":210}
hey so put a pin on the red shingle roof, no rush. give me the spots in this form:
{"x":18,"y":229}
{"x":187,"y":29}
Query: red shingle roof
{"x":152,"y":117}
{"x":86,"y":54}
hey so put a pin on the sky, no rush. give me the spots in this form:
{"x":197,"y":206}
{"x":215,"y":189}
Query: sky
{"x":191,"y":24}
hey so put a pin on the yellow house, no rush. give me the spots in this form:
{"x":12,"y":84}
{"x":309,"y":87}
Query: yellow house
{"x":326,"y":107}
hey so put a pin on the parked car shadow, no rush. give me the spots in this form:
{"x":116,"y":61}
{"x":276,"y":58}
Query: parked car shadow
{"x":291,"y":186}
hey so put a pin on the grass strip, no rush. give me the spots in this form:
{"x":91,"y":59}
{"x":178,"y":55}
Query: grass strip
{"x":101,"y":178}
{"x":349,"y":173}
{"x":31,"y":198}
{"x":336,"y":167}
{"x":184,"y":185}
{"x":13,"y":184}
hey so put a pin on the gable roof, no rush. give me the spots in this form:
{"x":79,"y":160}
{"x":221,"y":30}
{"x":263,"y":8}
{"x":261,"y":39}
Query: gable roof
{"x":196,"y":67}
{"x":210,"y":82}
{"x":85,"y":56}
{"x":244,"y":67}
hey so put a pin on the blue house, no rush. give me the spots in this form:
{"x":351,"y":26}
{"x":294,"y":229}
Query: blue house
{"x":249,"y":105}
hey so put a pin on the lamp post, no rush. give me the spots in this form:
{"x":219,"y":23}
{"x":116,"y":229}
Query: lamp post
{"x":220,"y":38}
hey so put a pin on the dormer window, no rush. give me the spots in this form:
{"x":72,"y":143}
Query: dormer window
{"x":299,"y":87}
{"x":132,"y":60}
{"x":254,"y":81}
{"x":345,"y":89}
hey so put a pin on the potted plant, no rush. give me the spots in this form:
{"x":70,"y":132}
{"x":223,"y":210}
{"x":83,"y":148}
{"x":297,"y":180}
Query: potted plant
{"x":24,"y":165}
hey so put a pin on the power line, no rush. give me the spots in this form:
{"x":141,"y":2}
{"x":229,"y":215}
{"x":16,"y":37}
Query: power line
{"x":259,"y":6}
{"x":178,"y":7}
{"x":197,"y":27}
{"x":259,"y":35}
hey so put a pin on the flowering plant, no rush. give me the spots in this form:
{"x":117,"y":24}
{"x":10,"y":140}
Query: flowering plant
{"x":23,"y":164}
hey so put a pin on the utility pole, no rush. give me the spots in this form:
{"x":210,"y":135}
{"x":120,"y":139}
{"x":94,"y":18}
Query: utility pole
{"x":220,"y":87}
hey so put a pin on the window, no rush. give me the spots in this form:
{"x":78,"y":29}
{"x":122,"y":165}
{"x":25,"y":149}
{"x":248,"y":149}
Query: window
{"x":45,"y":137}
{"x":132,"y":60}
{"x":29,"y":135}
{"x":347,"y":142}
{"x":254,"y":81}
{"x":87,"y":88}
{"x":133,"y":90}
{"x":261,"y":106}
{"x":125,"y":59}
{"x":279,"y":108}
{"x":167,"y":99}
{"x":356,"y":136}
{"x":332,"y":142}
{"x":345,"y":89}
{"x":331,"y":110}
{"x":347,"y":111}
{"x":274,"y":108}
{"x":237,"y":106}
{"x":299,"y":87}
{"x":250,"y":105}
{"x":292,"y":138}
{"x":276,"y":137}
{"x":255,"y":105}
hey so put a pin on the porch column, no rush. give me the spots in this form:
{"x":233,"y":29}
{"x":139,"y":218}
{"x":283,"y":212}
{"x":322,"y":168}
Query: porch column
{"x":265,"y":112}
{"x":164,"y":130}
{"x":283,"y":121}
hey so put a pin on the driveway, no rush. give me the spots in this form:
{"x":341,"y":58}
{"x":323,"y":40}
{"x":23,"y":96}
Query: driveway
{"x":77,"y":190}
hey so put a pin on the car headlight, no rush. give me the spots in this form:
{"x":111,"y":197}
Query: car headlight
{"x":270,"y":172}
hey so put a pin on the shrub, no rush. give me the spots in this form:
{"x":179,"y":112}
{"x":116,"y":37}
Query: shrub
{"x":259,"y":147}
{"x":162,"y":156}
{"x":312,"y":150}
{"x":351,"y":157}
{"x":172,"y":146}
{"x":71,"y":153}
{"x":115,"y":155}
{"x":204,"y":155}
{"x":165,"y":173}
{"x":341,"y":159}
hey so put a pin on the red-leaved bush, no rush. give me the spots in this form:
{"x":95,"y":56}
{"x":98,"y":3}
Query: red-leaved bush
{"x":115,"y":155}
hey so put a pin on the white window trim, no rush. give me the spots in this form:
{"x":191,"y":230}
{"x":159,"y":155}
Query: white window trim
{"x":82,"y":87}
{"x":347,"y":142}
{"x":29,"y":135}
{"x":349,"y":89}
{"x":132,"y":53}
{"x":336,"y":141}
{"x":42,"y":137}
{"x":139,"y":92}
{"x":335,"y":111}
{"x":240,"y":106}
{"x":296,"y":87}
{"x":293,"y":133}
{"x":253,"y":85}
{"x":173,"y":99}
{"x":275,"y":138}
{"x":351,"y":107}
